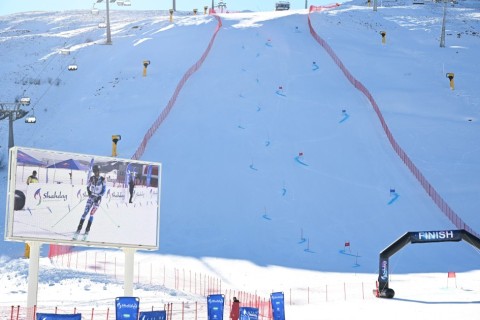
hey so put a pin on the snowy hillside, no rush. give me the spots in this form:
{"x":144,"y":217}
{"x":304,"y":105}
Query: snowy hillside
{"x":269,"y":154}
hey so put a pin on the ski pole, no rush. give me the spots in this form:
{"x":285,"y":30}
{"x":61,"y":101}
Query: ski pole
{"x":66,"y":214}
{"x":110,"y":218}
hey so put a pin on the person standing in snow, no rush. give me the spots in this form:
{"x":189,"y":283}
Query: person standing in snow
{"x":96,"y":188}
{"x":33,"y":178}
{"x":131,"y":186}
{"x":235,"y":311}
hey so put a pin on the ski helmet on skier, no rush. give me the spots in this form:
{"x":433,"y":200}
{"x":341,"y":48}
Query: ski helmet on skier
{"x":96,"y":168}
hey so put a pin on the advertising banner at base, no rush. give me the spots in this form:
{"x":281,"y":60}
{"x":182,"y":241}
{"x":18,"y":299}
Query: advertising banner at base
{"x":278,"y":305}
{"x":215,"y":304}
{"x":126,"y":308}
{"x":53,"y":316}
{"x":153,"y":315}
{"x":248,"y":313}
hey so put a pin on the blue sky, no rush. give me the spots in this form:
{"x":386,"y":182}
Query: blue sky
{"x":13,"y":6}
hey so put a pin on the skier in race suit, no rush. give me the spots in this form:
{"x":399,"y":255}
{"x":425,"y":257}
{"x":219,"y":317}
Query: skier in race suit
{"x":96,"y":188}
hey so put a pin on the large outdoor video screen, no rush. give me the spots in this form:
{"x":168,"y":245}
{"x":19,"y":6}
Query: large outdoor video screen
{"x":60,"y":197}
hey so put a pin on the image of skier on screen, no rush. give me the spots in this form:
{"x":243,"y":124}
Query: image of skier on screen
{"x":96,"y":188}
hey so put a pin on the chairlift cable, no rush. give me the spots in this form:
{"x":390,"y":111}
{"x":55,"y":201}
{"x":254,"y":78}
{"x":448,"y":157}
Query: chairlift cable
{"x":40,"y":73}
{"x":62,"y":70}
{"x":49,"y":87}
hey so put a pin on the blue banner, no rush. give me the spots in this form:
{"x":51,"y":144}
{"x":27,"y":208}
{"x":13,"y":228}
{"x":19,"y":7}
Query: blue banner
{"x":248,"y":313}
{"x":127,"y":308}
{"x":127,"y":175}
{"x":149,"y":175}
{"x":278,"y":305}
{"x":215,"y":306}
{"x":153,"y":315}
{"x":90,"y":167}
{"x":54,"y":316}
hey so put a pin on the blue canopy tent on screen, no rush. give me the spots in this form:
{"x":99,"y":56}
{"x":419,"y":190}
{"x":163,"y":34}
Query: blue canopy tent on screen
{"x":69,"y":164}
{"x":26,"y":159}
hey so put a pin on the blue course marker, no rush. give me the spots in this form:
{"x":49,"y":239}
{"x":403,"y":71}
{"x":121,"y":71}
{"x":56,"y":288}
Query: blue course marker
{"x":345,"y":117}
{"x":297,"y":158}
{"x":348,"y":253}
{"x":394,"y":198}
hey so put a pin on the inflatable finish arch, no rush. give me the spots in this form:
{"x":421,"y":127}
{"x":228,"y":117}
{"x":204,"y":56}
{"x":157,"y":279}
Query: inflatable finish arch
{"x":383,"y":290}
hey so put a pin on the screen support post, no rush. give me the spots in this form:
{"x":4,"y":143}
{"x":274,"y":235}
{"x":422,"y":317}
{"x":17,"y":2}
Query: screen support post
{"x":128,"y":272}
{"x":33,"y":267}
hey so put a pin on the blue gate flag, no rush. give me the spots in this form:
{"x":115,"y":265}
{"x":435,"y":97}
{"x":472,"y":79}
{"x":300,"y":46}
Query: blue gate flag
{"x":248,"y":313}
{"x":126,"y":308}
{"x":278,"y":305}
{"x":215,"y":306}
{"x":54,"y":316}
{"x":153,"y":315}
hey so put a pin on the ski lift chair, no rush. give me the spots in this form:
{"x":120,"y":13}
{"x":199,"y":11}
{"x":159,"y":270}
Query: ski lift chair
{"x":72,"y":67}
{"x":102,"y":25}
{"x":25,"y":101}
{"x":282,"y":5}
{"x":127,"y":3}
{"x":30,"y":119}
